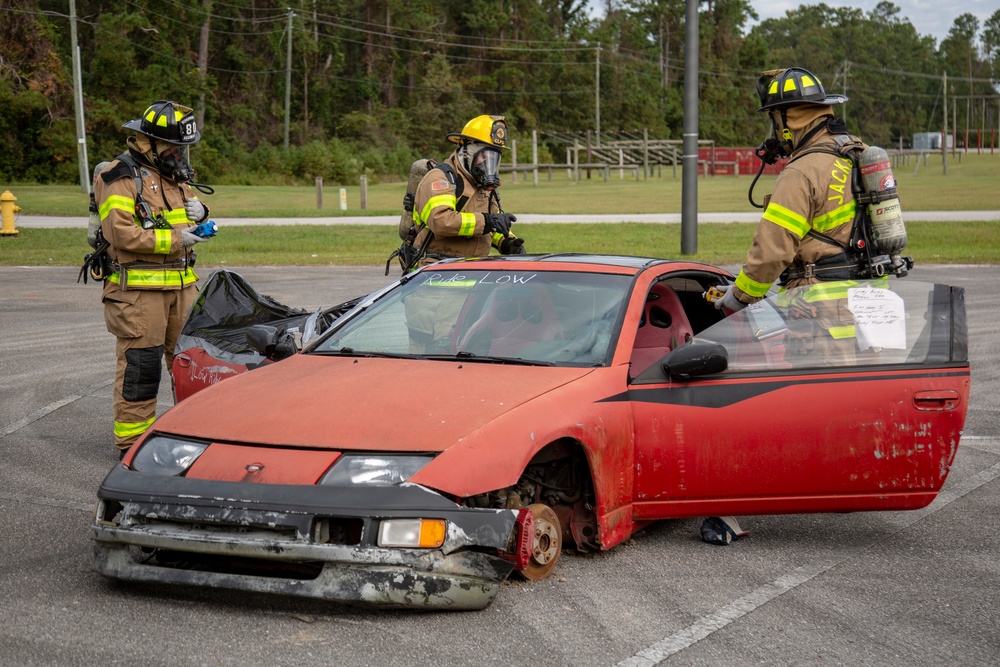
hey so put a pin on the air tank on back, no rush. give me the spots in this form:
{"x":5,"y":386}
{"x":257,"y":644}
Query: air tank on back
{"x":884,"y":210}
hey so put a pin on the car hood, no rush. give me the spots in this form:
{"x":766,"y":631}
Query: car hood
{"x":347,"y":403}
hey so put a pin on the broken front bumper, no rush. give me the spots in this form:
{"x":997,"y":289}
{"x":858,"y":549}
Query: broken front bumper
{"x":308,"y":541}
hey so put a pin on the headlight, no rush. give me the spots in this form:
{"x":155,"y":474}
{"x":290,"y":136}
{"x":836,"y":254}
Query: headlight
{"x":373,"y":470}
{"x":165,"y":455}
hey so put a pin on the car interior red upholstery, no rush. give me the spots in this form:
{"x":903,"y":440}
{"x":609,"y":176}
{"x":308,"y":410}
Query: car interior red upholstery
{"x":516,"y":316}
{"x":664,"y":327}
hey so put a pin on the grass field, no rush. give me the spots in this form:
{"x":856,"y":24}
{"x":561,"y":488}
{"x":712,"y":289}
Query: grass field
{"x":972,"y":183}
{"x":368,"y":245}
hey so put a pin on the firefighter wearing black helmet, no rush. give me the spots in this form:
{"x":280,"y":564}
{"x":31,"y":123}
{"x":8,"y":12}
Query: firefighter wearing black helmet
{"x":806,"y":226}
{"x":803,"y":234}
{"x":153,"y":282}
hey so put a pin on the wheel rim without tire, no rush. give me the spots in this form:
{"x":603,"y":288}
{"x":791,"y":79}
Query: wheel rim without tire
{"x":546,"y":545}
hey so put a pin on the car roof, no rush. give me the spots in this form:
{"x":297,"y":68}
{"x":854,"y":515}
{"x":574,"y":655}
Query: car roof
{"x":637,"y":263}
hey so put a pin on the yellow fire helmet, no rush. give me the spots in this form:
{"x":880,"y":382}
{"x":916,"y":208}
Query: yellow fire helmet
{"x":484,"y":129}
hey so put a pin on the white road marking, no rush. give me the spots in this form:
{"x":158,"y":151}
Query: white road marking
{"x":677,"y":642}
{"x":51,"y":407}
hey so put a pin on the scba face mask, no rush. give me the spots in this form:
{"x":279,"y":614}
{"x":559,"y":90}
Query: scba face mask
{"x":174,"y":163}
{"x":777,"y":145}
{"x":486,"y":168}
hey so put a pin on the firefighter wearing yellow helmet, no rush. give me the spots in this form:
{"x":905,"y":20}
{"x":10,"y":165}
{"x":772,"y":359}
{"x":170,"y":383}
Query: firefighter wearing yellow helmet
{"x":456,"y":208}
{"x":148,"y":211}
{"x":457,"y":213}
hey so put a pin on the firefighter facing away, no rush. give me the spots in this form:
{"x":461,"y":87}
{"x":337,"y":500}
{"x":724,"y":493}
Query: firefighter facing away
{"x":803,"y":234}
{"x":148,"y":211}
{"x":457,"y":213}
{"x":805,"y":230}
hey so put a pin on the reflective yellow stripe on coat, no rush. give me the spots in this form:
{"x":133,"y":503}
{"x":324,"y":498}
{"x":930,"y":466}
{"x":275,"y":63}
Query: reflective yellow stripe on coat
{"x":157,"y":278}
{"x":119,"y":203}
{"x":751,"y":286}
{"x":829,"y":291}
{"x":421,"y":217}
{"x":468,"y":227}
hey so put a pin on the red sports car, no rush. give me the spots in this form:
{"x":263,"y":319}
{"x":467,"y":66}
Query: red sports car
{"x":477,"y":417}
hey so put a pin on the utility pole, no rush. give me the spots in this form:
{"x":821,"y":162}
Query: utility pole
{"x":81,"y":130}
{"x":288,"y":79}
{"x":844,"y":67}
{"x":597,"y":93}
{"x":847,"y":68}
{"x":203,"y":36}
{"x":944,"y":135}
{"x":954,"y":121}
{"x":689,"y":159}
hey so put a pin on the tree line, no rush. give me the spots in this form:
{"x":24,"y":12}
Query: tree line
{"x":292,"y":90}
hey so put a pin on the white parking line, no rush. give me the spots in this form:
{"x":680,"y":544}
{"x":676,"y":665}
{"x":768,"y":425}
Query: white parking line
{"x":706,"y":625}
{"x":51,"y":407}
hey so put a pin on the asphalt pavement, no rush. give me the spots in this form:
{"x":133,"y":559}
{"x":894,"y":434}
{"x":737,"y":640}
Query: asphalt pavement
{"x":882,"y":589}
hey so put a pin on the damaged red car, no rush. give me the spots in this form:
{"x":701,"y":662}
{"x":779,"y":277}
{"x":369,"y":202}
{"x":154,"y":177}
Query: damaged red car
{"x":478,"y":418}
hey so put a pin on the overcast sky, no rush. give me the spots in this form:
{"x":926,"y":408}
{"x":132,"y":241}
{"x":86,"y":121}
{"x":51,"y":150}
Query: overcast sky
{"x":932,"y":18}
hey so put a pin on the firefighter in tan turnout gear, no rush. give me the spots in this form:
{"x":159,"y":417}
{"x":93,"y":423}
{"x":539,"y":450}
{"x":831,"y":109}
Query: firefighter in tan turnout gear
{"x":803,"y":235}
{"x":456,"y":208}
{"x":457,"y":213}
{"x":148,"y":223}
{"x":806,"y":227}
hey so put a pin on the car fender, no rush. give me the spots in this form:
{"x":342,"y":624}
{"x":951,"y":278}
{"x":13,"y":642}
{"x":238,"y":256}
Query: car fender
{"x":584,"y":411}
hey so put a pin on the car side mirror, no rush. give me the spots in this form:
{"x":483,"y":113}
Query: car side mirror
{"x":696,"y":359}
{"x":271,"y":342}
{"x":262,"y":338}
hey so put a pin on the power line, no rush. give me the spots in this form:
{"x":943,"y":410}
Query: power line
{"x":197,"y":26}
{"x":887,"y":70}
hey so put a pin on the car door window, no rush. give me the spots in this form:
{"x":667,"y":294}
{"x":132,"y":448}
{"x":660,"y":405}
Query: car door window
{"x":875,"y":322}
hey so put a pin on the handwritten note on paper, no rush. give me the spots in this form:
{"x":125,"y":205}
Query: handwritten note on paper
{"x":879,"y":318}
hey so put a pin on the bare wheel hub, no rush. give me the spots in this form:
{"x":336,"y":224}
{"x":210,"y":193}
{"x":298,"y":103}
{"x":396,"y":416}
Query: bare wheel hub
{"x":546,"y":543}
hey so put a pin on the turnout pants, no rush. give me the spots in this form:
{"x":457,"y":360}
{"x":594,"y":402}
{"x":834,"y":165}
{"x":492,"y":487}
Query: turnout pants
{"x":820,"y":327}
{"x":430,"y":316}
{"x":147,"y":324}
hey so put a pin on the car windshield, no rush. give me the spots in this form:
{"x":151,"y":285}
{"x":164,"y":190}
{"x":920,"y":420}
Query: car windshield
{"x":845,"y":324}
{"x":549,"y":318}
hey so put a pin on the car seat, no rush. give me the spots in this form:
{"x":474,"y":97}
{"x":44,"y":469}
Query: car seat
{"x":514,"y":318}
{"x":664,"y":327}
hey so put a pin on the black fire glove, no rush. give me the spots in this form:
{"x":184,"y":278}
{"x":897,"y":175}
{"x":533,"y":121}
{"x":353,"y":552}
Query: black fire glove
{"x":498,"y":223}
{"x":512,"y":246}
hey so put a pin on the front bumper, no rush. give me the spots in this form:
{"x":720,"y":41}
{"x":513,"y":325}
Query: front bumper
{"x":308,"y":541}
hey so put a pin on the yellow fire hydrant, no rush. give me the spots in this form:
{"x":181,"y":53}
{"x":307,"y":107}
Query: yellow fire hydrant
{"x":7,"y":210}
